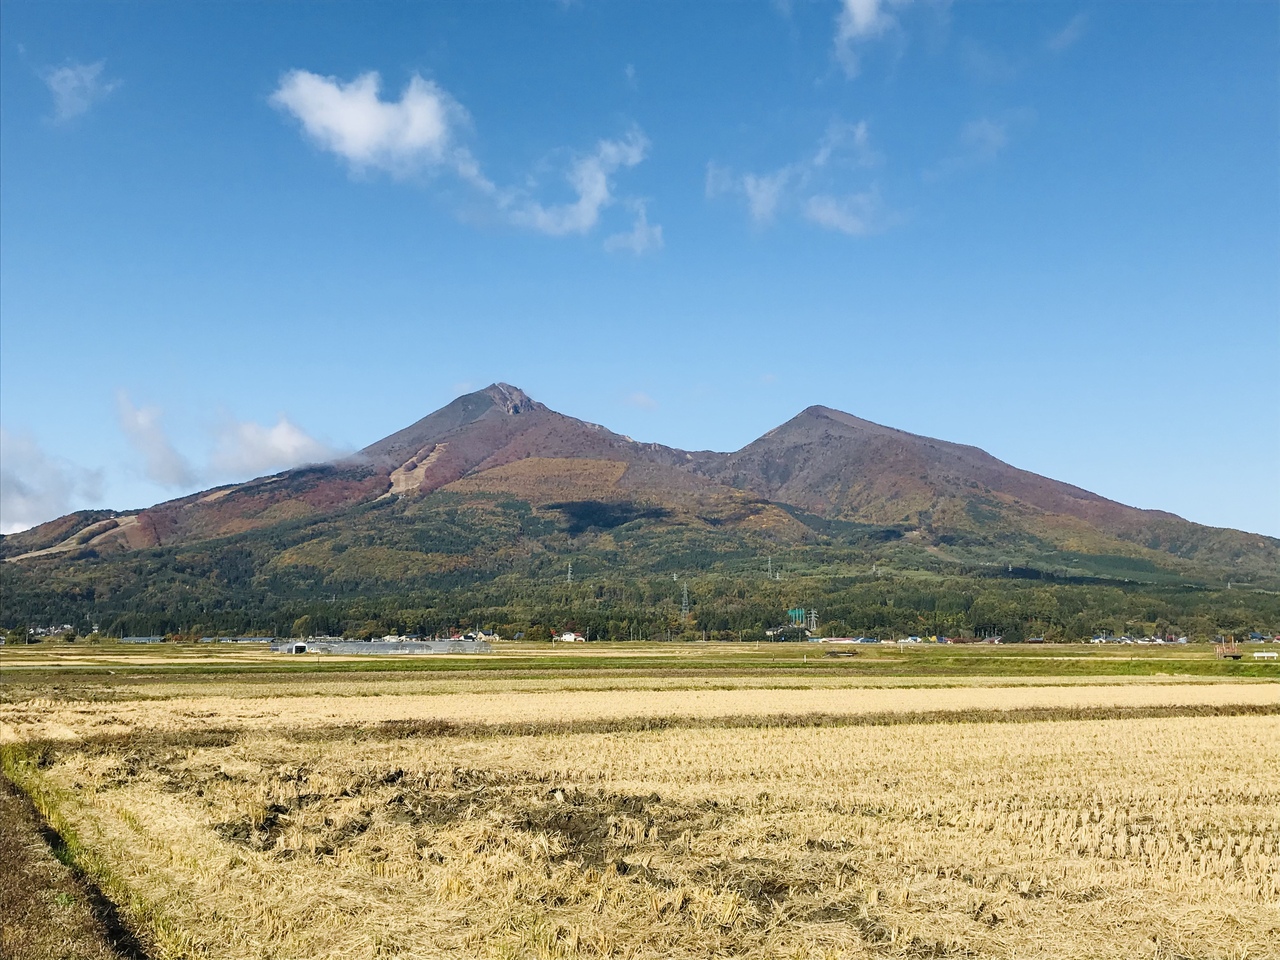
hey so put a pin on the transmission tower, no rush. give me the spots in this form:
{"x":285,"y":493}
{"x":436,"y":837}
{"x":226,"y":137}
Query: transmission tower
{"x":813,"y":619}
{"x":569,"y":579}
{"x":684,"y":603}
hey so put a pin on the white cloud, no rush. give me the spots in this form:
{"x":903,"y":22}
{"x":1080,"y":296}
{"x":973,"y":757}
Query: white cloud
{"x":812,"y":185}
{"x":642,"y":400}
{"x":857,"y":214}
{"x":848,"y":144}
{"x":590,"y":177}
{"x":416,"y":132}
{"x":1070,"y":34}
{"x":860,"y":21}
{"x":629,"y":71}
{"x":250,"y":449}
{"x":420,"y":133}
{"x":76,"y":87}
{"x":162,"y":463}
{"x":764,"y":193}
{"x":642,"y":238}
{"x":241,"y":449}
{"x":35,"y":487}
{"x":984,"y":139}
{"x":981,"y":141}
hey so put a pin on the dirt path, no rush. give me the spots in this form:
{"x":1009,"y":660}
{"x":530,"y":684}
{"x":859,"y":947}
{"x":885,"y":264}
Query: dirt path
{"x":46,"y":909}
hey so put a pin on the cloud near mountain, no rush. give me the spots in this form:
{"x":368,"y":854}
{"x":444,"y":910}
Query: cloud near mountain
{"x":35,"y":485}
{"x":241,"y":448}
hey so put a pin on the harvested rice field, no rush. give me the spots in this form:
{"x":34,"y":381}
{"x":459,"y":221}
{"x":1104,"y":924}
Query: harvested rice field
{"x":566,"y":708}
{"x":654,"y":816}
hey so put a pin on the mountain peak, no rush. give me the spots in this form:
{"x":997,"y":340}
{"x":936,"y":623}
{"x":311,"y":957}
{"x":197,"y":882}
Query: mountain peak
{"x":828,"y":419}
{"x":511,"y":399}
{"x":497,"y":401}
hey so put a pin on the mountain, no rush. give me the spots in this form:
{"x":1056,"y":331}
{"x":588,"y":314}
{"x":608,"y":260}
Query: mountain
{"x":842,"y":467}
{"x":491,"y":441}
{"x":497,"y":488}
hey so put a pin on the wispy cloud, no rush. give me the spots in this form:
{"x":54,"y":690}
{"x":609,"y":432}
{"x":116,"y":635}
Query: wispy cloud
{"x":36,"y":486}
{"x":642,"y":238}
{"x":983,"y":139}
{"x":847,"y":144}
{"x":1070,"y":34}
{"x":591,"y":178}
{"x":859,"y":22}
{"x":76,"y":87}
{"x":980,"y":142}
{"x":162,"y":462}
{"x":642,"y":400}
{"x":856,"y":214}
{"x":986,"y":65}
{"x":422,"y":132}
{"x":815,"y":186}
{"x":765,"y":192}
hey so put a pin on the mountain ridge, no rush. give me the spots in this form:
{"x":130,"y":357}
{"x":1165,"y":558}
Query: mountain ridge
{"x":830,"y":465}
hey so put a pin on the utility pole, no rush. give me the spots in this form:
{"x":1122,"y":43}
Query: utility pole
{"x":684,"y":604}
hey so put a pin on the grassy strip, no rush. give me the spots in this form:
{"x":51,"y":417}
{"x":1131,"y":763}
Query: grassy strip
{"x":145,"y":928}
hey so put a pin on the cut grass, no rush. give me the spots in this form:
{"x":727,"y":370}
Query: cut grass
{"x":694,"y":805}
{"x":1061,"y":838}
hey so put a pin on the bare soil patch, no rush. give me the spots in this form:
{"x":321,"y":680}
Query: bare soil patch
{"x":47,"y":909}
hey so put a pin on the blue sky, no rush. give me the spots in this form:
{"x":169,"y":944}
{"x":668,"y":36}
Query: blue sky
{"x":234,"y":237}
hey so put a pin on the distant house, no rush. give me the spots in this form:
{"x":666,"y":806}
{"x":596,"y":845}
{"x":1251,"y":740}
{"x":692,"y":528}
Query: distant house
{"x":569,"y":637}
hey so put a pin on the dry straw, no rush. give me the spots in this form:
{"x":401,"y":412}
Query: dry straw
{"x":1149,"y":837}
